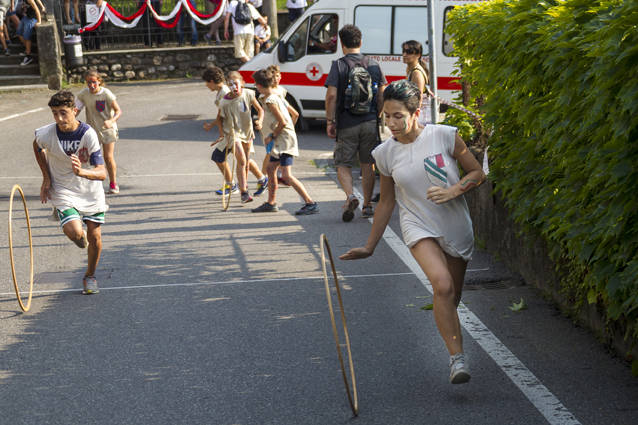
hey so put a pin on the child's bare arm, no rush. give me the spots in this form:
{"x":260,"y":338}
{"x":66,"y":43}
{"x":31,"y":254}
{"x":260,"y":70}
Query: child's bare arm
{"x":293,"y":113}
{"x":260,"y":113}
{"x":281,"y":121}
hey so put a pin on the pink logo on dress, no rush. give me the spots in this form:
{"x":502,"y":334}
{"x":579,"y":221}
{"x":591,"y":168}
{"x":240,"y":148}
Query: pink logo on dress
{"x":100,"y":105}
{"x":439,"y":160}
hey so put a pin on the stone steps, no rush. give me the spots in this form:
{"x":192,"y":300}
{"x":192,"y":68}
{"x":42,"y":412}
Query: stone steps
{"x":19,"y":80}
{"x":12,"y":73}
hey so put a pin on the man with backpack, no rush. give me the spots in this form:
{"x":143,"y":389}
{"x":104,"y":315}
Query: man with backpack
{"x":243,"y":14}
{"x":353,"y":104}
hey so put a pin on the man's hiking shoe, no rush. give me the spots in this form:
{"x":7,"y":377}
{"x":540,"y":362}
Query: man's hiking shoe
{"x":245,"y":197}
{"x":459,"y":372}
{"x":90,"y":285}
{"x":367,"y":211}
{"x":308,"y":209}
{"x":266,"y":207}
{"x":351,"y":205}
{"x":227,"y":187}
{"x":261,"y":186}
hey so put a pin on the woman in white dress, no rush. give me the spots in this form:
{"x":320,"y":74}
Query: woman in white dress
{"x":418,"y":167}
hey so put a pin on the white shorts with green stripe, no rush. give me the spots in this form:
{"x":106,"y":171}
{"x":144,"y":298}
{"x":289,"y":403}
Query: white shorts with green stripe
{"x":73,"y":214}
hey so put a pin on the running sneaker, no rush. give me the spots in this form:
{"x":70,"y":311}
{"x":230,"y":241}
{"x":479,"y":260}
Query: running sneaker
{"x":234,"y":189}
{"x":351,"y":205}
{"x":266,"y":207}
{"x":90,"y":285}
{"x":261,"y":186}
{"x":245,"y":197}
{"x":307,"y":209}
{"x":26,"y":61}
{"x":114,"y":189}
{"x":459,"y":372}
{"x":367,"y":211}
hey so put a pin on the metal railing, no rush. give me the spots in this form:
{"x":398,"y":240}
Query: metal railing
{"x":146,"y":34}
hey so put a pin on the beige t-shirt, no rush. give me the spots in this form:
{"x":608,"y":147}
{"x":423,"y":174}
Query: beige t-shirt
{"x":286,"y":142}
{"x":99,"y":108}
{"x":237,"y":121}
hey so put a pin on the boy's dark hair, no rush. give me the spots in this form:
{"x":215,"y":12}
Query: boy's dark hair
{"x":62,"y":98}
{"x":214,"y":74}
{"x":265,"y":78}
{"x":350,"y":36}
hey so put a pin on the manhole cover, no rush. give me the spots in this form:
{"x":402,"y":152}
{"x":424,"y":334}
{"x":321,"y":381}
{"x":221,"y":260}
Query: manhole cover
{"x":179,"y":117}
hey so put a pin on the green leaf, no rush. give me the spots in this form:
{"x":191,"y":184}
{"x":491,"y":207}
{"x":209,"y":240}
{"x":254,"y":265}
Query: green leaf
{"x":428,"y":307}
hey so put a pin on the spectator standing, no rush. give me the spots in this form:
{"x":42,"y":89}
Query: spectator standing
{"x":5,"y":5}
{"x":355,"y":131}
{"x":417,"y":72}
{"x":76,"y":11}
{"x":148,"y":23}
{"x":295,"y":9}
{"x":180,"y":30}
{"x":243,"y":14}
{"x":211,"y":5}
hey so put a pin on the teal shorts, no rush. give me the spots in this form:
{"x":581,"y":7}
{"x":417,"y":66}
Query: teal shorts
{"x":73,"y":214}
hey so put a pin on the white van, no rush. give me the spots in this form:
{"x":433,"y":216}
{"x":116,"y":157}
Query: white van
{"x":307,"y":49}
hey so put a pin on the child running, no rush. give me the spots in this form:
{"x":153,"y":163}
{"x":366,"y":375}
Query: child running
{"x":216,"y":82}
{"x":419,"y":171}
{"x":102,"y":112}
{"x":281,"y":90}
{"x":281,"y":144}
{"x":237,"y":124}
{"x":69,"y":155}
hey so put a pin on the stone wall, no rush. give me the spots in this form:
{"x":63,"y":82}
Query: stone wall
{"x":528,"y":254}
{"x":156,"y":63}
{"x":49,"y":54}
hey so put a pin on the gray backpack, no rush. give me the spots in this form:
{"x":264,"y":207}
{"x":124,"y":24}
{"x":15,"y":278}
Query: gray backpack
{"x":242,"y":13}
{"x":359,"y":94}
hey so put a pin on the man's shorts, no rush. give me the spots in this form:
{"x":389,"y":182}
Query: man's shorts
{"x":219,"y":156}
{"x":244,"y":45}
{"x":25,"y":29}
{"x":360,"y":139}
{"x":284,"y":159}
{"x":73,"y":214}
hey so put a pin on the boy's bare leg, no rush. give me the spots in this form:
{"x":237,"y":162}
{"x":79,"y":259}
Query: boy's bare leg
{"x":271,"y":170}
{"x":241,"y":167}
{"x":94,"y":234}
{"x":296,"y":184}
{"x":109,"y":160}
{"x":254,"y":169}
{"x":74,"y":231}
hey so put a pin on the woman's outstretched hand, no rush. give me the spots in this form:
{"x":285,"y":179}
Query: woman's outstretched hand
{"x":356,"y":254}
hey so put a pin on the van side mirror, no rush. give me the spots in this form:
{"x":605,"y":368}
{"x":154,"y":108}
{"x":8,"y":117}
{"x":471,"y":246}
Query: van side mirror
{"x":282,"y":51}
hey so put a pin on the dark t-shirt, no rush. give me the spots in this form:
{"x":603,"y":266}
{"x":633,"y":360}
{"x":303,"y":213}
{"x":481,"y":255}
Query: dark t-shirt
{"x":338,"y":77}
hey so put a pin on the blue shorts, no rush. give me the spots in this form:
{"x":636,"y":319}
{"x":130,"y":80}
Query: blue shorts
{"x":25,"y":29}
{"x":219,"y":156}
{"x":284,"y":159}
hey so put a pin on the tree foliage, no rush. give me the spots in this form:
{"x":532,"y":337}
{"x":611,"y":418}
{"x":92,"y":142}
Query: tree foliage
{"x":559,"y":83}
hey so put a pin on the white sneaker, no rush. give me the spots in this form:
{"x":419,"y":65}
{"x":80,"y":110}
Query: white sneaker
{"x":459,"y":372}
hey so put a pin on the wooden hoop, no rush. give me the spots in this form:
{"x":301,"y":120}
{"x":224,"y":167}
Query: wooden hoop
{"x":352,"y":397}
{"x":13,"y":267}
{"x":232,"y":163}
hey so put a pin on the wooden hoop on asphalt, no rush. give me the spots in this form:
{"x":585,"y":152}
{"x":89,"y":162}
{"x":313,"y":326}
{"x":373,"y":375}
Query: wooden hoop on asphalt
{"x":231,"y":162}
{"x":13,"y":268}
{"x":352,"y":396}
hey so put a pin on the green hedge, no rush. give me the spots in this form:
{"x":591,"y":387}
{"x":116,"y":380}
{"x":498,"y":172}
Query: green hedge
{"x":559,"y":82}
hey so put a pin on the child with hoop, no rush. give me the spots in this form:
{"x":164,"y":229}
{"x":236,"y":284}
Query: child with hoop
{"x":419,"y":171}
{"x":237,"y":124}
{"x":70,"y":159}
{"x":281,"y":143}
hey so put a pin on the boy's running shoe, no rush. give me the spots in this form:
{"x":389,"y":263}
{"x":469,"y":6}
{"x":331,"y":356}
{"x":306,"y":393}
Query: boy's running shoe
{"x":459,"y":373}
{"x":266,"y":207}
{"x":308,"y":209}
{"x":351,"y":205}
{"x":245,"y":197}
{"x":90,"y":285}
{"x":114,"y":189}
{"x":261,"y":186}
{"x":226,"y":188}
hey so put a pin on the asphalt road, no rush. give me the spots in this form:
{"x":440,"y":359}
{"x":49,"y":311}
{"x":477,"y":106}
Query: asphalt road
{"x":212,"y":317}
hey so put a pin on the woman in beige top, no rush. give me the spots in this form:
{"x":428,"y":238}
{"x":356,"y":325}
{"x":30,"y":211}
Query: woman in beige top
{"x":417,"y":72}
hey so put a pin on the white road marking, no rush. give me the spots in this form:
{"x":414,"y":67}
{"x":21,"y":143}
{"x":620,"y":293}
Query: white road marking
{"x":21,"y":114}
{"x":537,"y":393}
{"x":125,"y":176}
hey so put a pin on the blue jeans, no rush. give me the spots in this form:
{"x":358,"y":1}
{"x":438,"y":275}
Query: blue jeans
{"x":180,"y":30}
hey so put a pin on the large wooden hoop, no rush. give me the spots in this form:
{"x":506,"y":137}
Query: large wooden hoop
{"x":352,"y":396}
{"x":231,"y":161}
{"x":13,"y":267}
